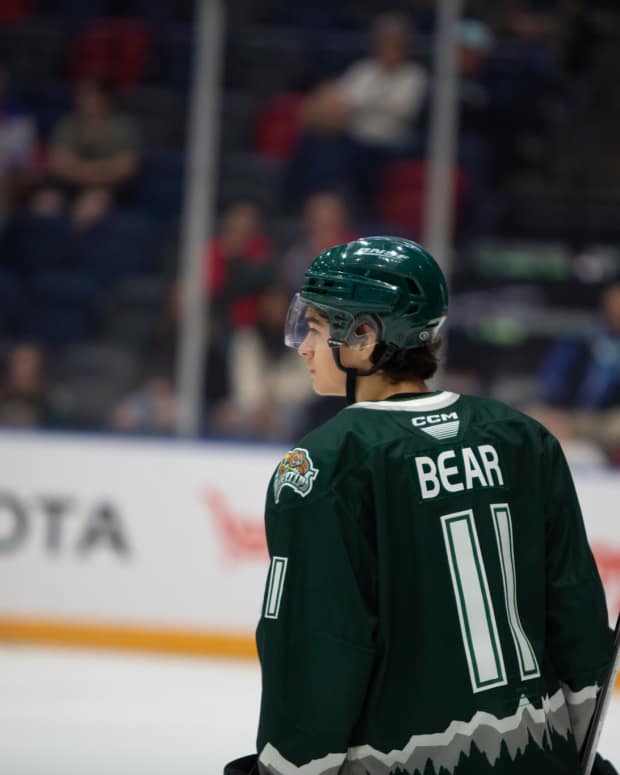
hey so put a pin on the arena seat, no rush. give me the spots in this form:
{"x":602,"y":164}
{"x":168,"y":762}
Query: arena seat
{"x":158,"y":187}
{"x":158,"y":111}
{"x":115,"y":49}
{"x":170,"y":62}
{"x":92,"y":378}
{"x":265,"y":61}
{"x":160,"y":11}
{"x":132,"y":313}
{"x":12,"y":300}
{"x":18,"y":42}
{"x":49,"y":105}
{"x":119,"y":245}
{"x":248,"y":177}
{"x":237,"y":111}
{"x":276,"y":126}
{"x":401,"y":192}
{"x":337,"y":49}
{"x":12,"y":11}
{"x":61,"y":308}
{"x":72,"y":11}
{"x":35,"y":243}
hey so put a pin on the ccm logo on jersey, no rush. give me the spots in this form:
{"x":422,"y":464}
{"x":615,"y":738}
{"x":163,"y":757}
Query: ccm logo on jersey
{"x":452,"y":470}
{"x":439,"y":426}
{"x":433,"y":419}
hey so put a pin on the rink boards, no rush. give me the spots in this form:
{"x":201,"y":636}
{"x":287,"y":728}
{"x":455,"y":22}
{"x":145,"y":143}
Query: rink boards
{"x":159,"y":545}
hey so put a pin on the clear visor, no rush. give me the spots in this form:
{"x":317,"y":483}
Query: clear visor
{"x":342,"y":329}
{"x":296,"y":326}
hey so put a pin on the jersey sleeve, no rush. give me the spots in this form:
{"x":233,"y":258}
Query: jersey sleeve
{"x":316,"y":634}
{"x":578,"y":635}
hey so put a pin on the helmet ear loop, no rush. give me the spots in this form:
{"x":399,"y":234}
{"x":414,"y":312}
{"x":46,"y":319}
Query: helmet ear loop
{"x":385,"y":352}
{"x":351,"y":376}
{"x":356,"y":338}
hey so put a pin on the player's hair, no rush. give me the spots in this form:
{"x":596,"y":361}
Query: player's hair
{"x":413,"y":364}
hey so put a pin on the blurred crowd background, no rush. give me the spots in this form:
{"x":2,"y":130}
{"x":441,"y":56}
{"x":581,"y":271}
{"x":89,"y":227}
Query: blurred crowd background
{"x":323,"y":137}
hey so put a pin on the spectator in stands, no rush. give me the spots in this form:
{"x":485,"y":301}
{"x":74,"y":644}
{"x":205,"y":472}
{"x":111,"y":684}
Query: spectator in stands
{"x":325,"y":223}
{"x":17,"y":147}
{"x":238,"y":266}
{"x":383,"y":94}
{"x":93,"y":156}
{"x":474,"y":44}
{"x":580,"y":383}
{"x":476,"y":139}
{"x":355,"y":124}
{"x":504,"y":91}
{"x":580,"y":34}
{"x":23,"y":391}
{"x":151,"y":409}
{"x":269,"y":388}
{"x":585,"y":373}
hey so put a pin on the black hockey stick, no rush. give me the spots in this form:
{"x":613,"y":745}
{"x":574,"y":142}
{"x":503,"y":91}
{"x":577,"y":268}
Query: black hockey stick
{"x":588,"y":751}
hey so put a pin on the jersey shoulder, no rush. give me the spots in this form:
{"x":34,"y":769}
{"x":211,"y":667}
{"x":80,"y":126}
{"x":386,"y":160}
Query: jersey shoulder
{"x":338,"y":439}
{"x":331,"y":453}
{"x":501,"y":419}
{"x":508,"y":428}
{"x":492,"y":410}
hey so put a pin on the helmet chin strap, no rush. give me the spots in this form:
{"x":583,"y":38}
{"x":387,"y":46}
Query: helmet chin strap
{"x":386,"y":352}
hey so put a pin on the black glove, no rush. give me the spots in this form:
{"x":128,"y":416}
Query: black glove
{"x":248,"y":765}
{"x":603,"y":767}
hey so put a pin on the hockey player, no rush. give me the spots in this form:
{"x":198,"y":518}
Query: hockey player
{"x":432,"y":604}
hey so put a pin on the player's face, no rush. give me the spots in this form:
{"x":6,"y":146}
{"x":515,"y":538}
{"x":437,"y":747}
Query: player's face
{"x":327,"y":378}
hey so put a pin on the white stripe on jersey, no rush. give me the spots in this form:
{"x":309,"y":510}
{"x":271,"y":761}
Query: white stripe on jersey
{"x":580,"y":709}
{"x":417,"y":404}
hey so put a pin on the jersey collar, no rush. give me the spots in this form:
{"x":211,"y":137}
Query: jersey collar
{"x":408,"y":402}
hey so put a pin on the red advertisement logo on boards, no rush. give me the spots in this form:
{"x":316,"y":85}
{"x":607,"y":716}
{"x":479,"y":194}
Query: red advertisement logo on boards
{"x":242,"y":536}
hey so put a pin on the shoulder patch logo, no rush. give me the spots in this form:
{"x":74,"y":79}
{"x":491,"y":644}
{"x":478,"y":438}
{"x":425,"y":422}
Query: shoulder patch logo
{"x":296,"y":471}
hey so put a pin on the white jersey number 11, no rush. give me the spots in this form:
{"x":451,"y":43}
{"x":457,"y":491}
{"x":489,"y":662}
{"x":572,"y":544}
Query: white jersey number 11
{"x":483,"y":649}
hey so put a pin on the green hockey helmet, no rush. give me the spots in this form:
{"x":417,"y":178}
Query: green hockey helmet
{"x":390,"y":282}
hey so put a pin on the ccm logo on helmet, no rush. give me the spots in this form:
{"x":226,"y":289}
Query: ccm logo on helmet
{"x":376,"y":252}
{"x":432,"y":419}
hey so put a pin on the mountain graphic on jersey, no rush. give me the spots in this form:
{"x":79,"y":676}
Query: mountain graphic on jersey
{"x":450,"y":751}
{"x":444,"y":750}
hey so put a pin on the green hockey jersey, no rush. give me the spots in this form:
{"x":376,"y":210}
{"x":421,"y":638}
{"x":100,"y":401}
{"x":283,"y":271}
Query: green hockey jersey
{"x":432,"y":604}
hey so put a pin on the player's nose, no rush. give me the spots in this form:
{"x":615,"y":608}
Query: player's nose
{"x":304,"y":348}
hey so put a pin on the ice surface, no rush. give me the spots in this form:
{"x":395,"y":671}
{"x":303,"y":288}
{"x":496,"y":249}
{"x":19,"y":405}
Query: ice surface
{"x":71,"y":712}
